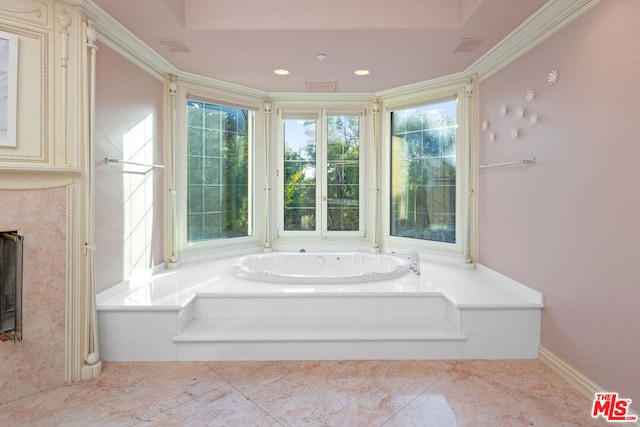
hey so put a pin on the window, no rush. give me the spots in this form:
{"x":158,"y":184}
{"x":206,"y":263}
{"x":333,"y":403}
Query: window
{"x":321,"y":174}
{"x":300,"y":183}
{"x":219,"y":168}
{"x":343,"y":173}
{"x":423,"y":172}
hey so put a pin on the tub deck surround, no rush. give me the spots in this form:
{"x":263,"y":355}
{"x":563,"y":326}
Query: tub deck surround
{"x":202,"y":312}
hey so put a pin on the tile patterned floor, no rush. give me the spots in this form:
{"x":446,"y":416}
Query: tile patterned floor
{"x":341,"y":393}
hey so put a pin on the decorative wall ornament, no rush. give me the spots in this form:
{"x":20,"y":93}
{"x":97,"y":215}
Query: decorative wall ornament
{"x":173,"y":85}
{"x":375,"y":107}
{"x":512,"y":127}
{"x":530,"y":96}
{"x":92,"y":35}
{"x":534,"y":118}
{"x":64,"y":21}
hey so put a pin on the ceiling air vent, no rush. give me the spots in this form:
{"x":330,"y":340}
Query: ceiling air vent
{"x":174,"y":45}
{"x":467,"y":45}
{"x":321,"y":87}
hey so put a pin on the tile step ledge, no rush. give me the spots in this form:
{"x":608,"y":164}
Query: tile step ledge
{"x":274,"y":330}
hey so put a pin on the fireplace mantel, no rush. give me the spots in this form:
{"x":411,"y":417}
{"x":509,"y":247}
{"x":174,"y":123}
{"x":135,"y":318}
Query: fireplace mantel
{"x":34,"y":179}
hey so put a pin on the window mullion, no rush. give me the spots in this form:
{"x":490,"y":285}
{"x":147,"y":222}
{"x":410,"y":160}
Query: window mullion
{"x":322,"y":185}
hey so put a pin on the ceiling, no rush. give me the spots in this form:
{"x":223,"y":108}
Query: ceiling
{"x":399,"y":41}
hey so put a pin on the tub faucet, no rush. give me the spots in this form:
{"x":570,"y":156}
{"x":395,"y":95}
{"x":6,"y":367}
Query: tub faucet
{"x":413,"y":257}
{"x":302,"y":250}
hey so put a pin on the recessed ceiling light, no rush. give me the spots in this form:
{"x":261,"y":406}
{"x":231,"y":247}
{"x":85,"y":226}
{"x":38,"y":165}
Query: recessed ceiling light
{"x":281,"y":72}
{"x":361,"y":72}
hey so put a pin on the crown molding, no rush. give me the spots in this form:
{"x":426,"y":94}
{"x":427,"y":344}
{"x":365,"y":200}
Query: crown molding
{"x":117,"y":37}
{"x":195,"y":79}
{"x":121,"y":40}
{"x":416,"y":89}
{"x":72,"y":2}
{"x":548,"y":20}
{"x":321,"y":98}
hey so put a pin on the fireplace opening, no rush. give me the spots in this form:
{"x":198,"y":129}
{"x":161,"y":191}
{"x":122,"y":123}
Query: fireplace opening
{"x":11,"y":286}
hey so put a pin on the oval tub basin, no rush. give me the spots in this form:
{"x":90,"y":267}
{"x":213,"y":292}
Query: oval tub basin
{"x":319,"y":267}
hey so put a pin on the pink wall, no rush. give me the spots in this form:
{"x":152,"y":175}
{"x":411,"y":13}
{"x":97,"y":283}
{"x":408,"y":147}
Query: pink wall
{"x":37,"y":363}
{"x":129,"y":202}
{"x":568,"y":227}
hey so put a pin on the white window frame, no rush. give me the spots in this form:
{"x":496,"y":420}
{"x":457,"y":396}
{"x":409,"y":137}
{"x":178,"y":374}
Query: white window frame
{"x":226,"y":245}
{"x":361,"y":184}
{"x":455,"y":90}
{"x":320,"y":116}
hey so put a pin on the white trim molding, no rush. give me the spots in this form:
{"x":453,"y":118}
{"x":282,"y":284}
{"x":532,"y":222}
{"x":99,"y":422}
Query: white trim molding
{"x":577,"y":379}
{"x":549,"y":19}
{"x":117,"y":37}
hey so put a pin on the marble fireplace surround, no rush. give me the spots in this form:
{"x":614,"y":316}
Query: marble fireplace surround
{"x":47,"y":195}
{"x":41,"y":207}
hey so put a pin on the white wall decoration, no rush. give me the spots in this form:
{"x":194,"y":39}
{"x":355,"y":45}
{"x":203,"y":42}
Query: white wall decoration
{"x":530,"y":96}
{"x":534,"y":118}
{"x":517,"y":113}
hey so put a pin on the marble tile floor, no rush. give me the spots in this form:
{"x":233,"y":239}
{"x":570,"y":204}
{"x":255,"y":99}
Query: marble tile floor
{"x":436,"y":393}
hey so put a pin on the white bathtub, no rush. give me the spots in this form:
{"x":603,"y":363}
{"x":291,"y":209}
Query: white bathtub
{"x":321,"y":267}
{"x":200,"y":311}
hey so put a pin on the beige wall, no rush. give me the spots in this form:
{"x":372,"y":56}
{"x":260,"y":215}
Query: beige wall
{"x":129,"y":199}
{"x":568,"y":226}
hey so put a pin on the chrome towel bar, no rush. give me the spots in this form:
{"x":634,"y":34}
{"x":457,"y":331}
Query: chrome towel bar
{"x":521,"y":162}
{"x":146,"y":165}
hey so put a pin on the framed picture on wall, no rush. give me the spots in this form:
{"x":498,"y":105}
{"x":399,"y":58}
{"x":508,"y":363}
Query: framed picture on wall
{"x":8,"y":88}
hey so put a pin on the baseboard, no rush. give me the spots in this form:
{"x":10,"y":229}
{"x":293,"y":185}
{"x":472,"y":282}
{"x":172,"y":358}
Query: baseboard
{"x":577,"y":379}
